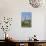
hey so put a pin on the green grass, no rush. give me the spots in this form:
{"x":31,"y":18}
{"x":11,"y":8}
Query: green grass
{"x":26,"y":23}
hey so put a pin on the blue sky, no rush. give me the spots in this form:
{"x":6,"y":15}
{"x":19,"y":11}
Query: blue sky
{"x":27,"y":15}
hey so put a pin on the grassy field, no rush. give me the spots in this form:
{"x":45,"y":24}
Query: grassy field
{"x":26,"y":23}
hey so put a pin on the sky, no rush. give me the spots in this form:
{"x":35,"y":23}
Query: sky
{"x":26,"y":15}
